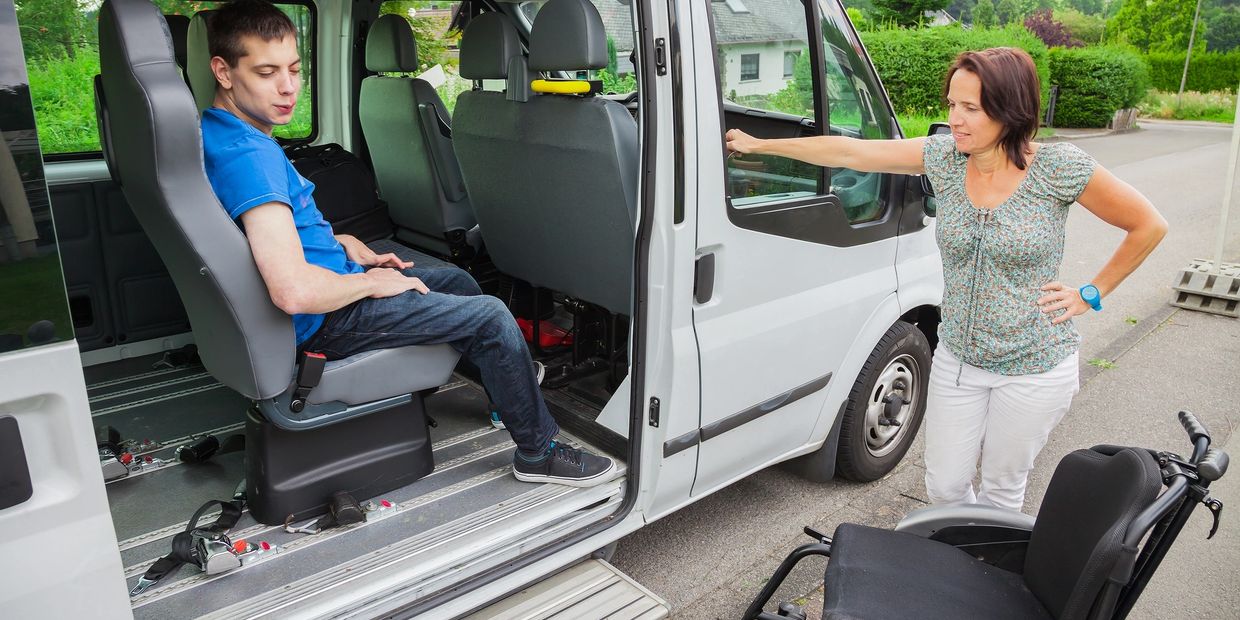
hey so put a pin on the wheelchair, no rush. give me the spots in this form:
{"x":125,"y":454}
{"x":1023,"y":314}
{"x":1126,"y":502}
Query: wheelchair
{"x":1109,"y":517}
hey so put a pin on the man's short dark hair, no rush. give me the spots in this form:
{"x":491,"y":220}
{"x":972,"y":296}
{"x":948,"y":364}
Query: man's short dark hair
{"x":230,"y":23}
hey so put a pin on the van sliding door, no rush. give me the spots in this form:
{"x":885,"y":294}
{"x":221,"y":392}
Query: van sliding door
{"x":801,"y":256}
{"x":58,"y":547}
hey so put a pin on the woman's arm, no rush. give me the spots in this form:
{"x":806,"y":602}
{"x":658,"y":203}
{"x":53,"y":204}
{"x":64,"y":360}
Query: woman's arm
{"x":1118,"y":204}
{"x":894,"y":156}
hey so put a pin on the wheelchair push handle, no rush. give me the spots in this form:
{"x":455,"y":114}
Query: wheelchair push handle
{"x":1213,"y":465}
{"x":1196,"y":430}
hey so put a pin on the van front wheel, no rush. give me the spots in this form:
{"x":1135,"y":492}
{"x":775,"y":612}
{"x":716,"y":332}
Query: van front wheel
{"x":885,"y":406}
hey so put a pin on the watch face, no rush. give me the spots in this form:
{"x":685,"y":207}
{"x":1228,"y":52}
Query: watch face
{"x":1089,"y":292}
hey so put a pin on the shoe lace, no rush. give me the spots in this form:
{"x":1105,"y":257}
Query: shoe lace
{"x":567,"y":454}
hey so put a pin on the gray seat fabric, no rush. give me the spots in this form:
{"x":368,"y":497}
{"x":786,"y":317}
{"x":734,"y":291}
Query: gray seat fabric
{"x":198,"y":61}
{"x":553,"y":180}
{"x":154,"y":150}
{"x":409,"y":134}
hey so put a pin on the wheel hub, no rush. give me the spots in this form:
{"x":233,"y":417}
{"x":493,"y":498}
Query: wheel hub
{"x":891,"y":405}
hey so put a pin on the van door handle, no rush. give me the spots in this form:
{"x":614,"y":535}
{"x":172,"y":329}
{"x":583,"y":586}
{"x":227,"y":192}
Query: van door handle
{"x":704,"y":278}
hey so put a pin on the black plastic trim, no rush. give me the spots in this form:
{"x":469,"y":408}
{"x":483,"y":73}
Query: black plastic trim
{"x":15,"y":484}
{"x":675,"y":446}
{"x":704,"y":278}
{"x":736,"y":420}
{"x":678,"y":115}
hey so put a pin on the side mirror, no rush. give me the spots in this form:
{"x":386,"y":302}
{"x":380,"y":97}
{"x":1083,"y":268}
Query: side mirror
{"x":936,"y":129}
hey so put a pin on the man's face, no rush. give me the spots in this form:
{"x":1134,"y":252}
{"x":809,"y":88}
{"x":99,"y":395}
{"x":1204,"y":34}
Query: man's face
{"x":262,"y":89}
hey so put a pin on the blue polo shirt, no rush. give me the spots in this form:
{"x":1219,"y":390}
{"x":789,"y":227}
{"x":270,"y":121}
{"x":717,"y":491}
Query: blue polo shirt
{"x":247,"y":168}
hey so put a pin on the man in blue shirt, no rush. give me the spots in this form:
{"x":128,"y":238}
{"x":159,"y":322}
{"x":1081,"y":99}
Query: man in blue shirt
{"x":343,"y":297}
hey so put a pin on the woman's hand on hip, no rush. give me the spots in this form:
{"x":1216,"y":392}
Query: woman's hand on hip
{"x":1059,"y":297}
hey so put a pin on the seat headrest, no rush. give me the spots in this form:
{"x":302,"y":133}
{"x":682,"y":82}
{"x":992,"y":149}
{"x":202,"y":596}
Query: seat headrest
{"x":198,"y":61}
{"x":390,"y":46}
{"x":488,"y":43}
{"x":178,"y":25}
{"x":568,"y":35}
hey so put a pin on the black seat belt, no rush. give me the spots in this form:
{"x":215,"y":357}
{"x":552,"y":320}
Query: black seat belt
{"x":309,"y":373}
{"x":206,"y":547}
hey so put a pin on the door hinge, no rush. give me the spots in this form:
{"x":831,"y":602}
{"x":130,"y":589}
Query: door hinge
{"x":654,"y":412}
{"x":660,"y":56}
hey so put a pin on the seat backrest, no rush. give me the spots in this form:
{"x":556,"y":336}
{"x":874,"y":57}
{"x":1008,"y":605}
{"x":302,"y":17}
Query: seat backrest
{"x":198,"y":61}
{"x":556,"y":198}
{"x":149,"y":126}
{"x":408,"y":132}
{"x":1078,"y":536}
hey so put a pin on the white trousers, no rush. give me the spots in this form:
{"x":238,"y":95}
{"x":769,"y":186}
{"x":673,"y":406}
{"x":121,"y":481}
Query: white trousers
{"x":1005,"y":419}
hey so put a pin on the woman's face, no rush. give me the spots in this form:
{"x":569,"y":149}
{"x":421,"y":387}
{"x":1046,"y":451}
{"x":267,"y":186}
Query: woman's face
{"x":973,"y":129}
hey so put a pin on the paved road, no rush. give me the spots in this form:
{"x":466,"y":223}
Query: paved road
{"x":710,"y":559}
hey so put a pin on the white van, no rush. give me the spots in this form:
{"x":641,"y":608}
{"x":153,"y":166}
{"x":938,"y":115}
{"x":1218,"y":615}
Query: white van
{"x":767,"y":311}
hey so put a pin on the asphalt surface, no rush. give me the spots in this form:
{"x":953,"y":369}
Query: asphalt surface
{"x":1142,"y":361}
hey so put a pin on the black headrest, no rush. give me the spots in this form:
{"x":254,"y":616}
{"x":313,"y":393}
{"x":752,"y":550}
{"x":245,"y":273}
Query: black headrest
{"x":488,"y":43}
{"x":390,"y":46}
{"x":178,"y":26}
{"x":568,"y":35}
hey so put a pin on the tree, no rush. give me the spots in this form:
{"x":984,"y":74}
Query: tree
{"x":1043,"y":26}
{"x":1088,"y":7}
{"x":1223,"y":34}
{"x":1170,"y":23}
{"x":1086,"y":28}
{"x":430,"y":32}
{"x":1007,"y":11}
{"x":984,"y":14}
{"x":1131,"y":25}
{"x":906,"y":12}
{"x":52,"y":29}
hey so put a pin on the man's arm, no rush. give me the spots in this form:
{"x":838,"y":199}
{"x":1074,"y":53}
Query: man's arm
{"x":297,"y":287}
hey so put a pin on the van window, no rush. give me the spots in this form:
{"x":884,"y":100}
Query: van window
{"x":34,"y":310}
{"x":857,"y":108}
{"x":62,"y":56}
{"x":618,"y":76}
{"x":763,"y":65}
{"x":438,"y":47}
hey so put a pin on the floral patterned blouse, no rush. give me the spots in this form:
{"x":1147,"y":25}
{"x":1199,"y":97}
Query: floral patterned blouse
{"x":995,"y":260}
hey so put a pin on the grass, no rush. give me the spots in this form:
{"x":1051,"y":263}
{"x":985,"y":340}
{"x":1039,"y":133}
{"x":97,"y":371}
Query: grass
{"x":1104,"y":364}
{"x":1218,"y":106}
{"x":38,"y":286}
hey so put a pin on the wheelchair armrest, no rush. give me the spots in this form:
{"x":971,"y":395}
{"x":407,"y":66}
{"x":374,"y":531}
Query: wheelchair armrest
{"x":931,"y":519}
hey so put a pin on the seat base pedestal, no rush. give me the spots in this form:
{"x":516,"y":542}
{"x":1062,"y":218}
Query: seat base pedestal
{"x":295,"y":472}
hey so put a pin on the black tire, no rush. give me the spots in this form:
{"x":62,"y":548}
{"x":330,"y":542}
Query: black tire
{"x":869,"y":450}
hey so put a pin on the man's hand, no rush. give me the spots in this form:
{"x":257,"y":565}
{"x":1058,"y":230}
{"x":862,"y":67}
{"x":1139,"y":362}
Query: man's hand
{"x":359,"y":253}
{"x":386,"y":282}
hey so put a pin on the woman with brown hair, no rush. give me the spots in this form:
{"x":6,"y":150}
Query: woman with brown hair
{"x":1006,"y":366}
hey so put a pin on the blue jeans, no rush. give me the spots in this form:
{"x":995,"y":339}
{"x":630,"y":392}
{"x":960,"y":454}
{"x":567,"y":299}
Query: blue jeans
{"x":454,"y":312}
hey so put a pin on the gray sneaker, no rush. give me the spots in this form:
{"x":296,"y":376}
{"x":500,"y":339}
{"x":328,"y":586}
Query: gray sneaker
{"x":564,"y":464}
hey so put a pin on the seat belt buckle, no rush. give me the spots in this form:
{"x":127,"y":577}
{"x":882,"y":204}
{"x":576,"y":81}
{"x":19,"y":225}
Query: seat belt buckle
{"x":309,"y":373}
{"x":214,"y":552}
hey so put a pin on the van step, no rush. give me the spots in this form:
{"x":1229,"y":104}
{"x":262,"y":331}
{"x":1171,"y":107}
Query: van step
{"x":591,"y":589}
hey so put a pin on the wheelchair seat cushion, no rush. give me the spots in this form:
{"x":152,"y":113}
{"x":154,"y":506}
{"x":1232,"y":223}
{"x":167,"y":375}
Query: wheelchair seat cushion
{"x":875,"y":573}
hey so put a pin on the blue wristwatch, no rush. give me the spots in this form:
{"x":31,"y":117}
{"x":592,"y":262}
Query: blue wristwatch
{"x":1091,"y":296}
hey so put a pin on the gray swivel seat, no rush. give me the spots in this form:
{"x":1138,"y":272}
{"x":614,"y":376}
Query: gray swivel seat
{"x":361,"y":428}
{"x":409,"y":134}
{"x":553,"y":180}
{"x":198,"y":61}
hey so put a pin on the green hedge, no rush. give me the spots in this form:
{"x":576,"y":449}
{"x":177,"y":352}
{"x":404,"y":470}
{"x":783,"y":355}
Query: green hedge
{"x":1206,"y":72}
{"x":914,"y":63}
{"x":1094,"y":82}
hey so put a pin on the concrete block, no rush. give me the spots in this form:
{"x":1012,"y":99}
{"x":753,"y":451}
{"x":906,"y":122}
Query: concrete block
{"x":1198,"y":289}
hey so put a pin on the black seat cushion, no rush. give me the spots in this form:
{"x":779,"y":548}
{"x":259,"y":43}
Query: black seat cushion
{"x":876,"y":573}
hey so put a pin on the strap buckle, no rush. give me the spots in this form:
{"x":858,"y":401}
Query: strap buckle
{"x":309,"y":373}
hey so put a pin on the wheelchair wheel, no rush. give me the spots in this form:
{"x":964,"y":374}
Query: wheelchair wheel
{"x":885,"y":406}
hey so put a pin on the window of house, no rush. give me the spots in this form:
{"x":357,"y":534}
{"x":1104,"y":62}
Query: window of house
{"x":790,"y":63}
{"x":749,"y":66}
{"x":62,"y":59}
